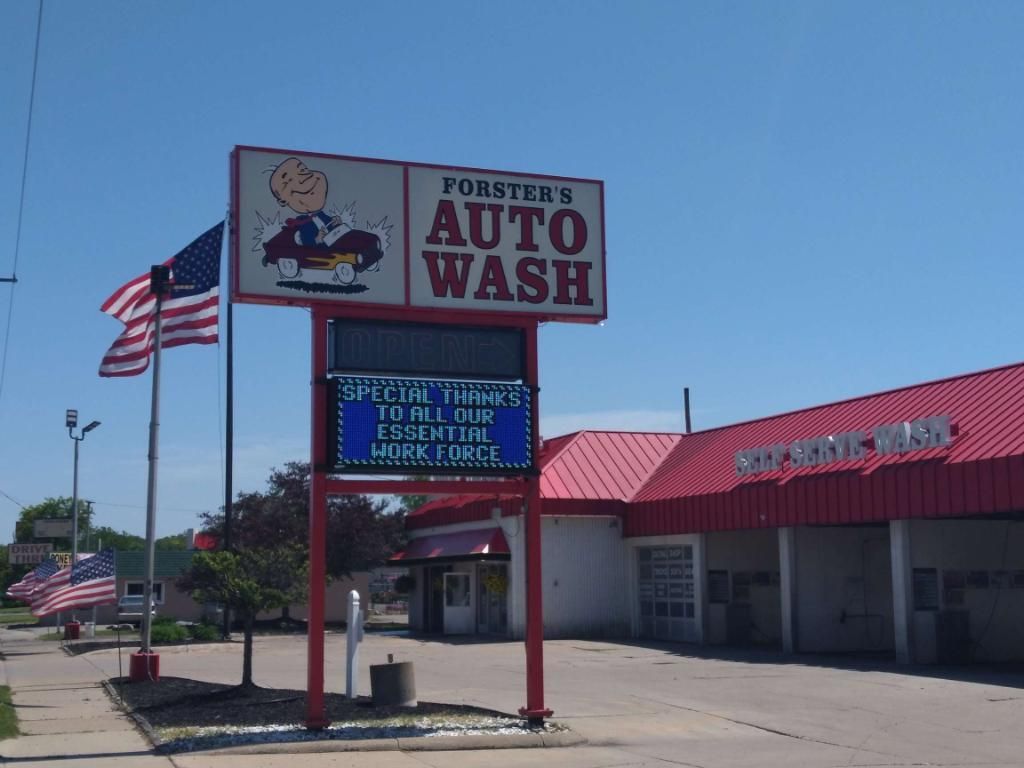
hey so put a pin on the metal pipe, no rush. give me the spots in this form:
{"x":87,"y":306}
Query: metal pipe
{"x":686,"y":408}
{"x":315,"y":715}
{"x":534,"y":711}
{"x":154,"y":439}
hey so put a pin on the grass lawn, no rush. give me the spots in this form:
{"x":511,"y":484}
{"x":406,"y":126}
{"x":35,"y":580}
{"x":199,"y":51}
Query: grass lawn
{"x":59,"y":635}
{"x":8,"y":718}
{"x":18,"y":615}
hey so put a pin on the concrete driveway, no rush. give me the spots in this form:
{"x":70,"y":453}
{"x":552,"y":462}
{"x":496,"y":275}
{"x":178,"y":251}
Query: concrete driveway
{"x":655,"y":704}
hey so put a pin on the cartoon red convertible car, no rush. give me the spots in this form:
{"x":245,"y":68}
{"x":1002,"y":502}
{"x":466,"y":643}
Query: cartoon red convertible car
{"x":347,"y":254}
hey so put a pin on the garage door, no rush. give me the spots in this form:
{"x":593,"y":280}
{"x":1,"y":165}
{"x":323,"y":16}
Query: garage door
{"x":667,"y":593}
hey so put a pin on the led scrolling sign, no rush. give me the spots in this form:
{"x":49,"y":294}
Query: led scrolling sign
{"x":886,"y":439}
{"x":437,"y":427}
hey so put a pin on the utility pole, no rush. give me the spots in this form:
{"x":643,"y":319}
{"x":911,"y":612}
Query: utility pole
{"x":71,"y":421}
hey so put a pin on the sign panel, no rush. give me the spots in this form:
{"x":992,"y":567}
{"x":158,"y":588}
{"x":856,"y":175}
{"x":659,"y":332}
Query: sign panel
{"x":64,"y":558}
{"x":886,"y":439}
{"x":28,"y":554}
{"x":402,"y":426}
{"x":326,"y":228}
{"x":421,"y":349}
{"x":52,"y":528}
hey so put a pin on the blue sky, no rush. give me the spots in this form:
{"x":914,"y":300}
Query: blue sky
{"x":804,"y":202}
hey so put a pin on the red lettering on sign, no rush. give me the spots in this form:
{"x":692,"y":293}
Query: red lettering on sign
{"x":557,"y":234}
{"x":530,"y":273}
{"x":563,"y":281}
{"x":452,"y":280}
{"x":526,"y":216}
{"x":447,"y":221}
{"x":476,"y":225}
{"x":493,"y":277}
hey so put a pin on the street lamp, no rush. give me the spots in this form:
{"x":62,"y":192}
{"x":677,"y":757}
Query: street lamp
{"x":71,"y":421}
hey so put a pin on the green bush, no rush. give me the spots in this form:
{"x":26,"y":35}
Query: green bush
{"x":163,"y":621}
{"x":204,"y":632}
{"x":167,"y":632}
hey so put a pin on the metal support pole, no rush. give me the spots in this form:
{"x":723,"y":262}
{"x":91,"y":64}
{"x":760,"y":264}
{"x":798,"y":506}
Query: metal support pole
{"x":353,"y":636}
{"x":74,"y":508}
{"x":315,"y":715}
{"x":154,"y":441}
{"x":534,"y":711}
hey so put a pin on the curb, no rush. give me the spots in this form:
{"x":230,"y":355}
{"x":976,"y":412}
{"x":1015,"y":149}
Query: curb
{"x":318,"y":746}
{"x":411,"y":744}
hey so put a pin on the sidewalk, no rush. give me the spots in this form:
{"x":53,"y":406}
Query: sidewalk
{"x":65,"y":717}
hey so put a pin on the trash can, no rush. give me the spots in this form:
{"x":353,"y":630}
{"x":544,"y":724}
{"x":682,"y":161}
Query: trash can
{"x":71,"y":630}
{"x":393,"y":684}
{"x":90,"y":629}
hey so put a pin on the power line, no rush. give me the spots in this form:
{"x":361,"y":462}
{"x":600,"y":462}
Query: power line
{"x":138,"y":506}
{"x":12,"y":499}
{"x":21,"y":204}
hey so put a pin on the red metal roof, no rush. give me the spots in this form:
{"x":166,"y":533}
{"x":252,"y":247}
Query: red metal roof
{"x":586,"y":472}
{"x":487,"y":542}
{"x":671,"y":483}
{"x":696,"y":487}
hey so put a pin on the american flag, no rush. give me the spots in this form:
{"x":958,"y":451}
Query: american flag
{"x":189,"y":314}
{"x":83,"y":584}
{"x":33,"y":579}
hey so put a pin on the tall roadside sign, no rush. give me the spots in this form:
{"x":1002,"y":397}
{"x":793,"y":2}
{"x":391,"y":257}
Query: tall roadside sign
{"x":426,"y":285}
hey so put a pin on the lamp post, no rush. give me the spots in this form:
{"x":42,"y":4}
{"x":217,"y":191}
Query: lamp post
{"x":71,"y":421}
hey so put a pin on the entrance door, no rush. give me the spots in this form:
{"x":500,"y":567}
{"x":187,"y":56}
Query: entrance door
{"x":433,"y":598}
{"x":492,"y":603}
{"x":458,"y":606}
{"x":667,"y":593}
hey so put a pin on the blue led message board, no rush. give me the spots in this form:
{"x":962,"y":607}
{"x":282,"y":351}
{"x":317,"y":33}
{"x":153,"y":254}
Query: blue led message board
{"x":399,"y":426}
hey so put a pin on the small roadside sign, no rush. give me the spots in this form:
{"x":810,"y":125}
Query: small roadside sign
{"x":28,"y":554}
{"x":52,"y":528}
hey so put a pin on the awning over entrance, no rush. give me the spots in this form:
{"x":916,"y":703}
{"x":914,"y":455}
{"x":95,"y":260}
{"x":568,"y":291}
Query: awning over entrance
{"x":483,"y":544}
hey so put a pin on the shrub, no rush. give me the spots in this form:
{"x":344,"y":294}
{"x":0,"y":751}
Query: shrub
{"x":167,"y":632}
{"x":204,"y":632}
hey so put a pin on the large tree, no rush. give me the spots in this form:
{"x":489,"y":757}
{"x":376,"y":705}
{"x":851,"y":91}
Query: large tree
{"x":248,"y":582}
{"x":361,"y":533}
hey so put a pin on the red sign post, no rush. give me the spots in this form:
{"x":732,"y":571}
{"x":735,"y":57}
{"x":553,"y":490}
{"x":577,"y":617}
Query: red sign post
{"x":322,"y":486}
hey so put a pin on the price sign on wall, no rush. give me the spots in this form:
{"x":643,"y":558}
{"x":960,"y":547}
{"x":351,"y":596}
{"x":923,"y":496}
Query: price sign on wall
{"x":399,"y":426}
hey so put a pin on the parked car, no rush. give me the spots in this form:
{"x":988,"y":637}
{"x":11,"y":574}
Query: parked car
{"x":129,"y":608}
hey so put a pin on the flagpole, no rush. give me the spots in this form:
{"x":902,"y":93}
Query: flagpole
{"x":159,"y":277}
{"x":229,"y":441}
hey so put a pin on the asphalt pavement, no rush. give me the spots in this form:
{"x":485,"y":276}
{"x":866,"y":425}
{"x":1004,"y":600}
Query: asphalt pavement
{"x":635,"y":704}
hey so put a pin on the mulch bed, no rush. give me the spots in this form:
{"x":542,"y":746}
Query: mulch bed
{"x":178,"y":701}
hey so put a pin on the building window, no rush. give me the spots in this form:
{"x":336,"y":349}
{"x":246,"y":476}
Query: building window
{"x":926,"y":589}
{"x":718,"y":586}
{"x":139,"y":588}
{"x":456,"y":590}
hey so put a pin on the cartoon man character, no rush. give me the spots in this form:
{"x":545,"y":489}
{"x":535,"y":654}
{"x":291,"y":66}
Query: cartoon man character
{"x":314,"y":239}
{"x":304,"y":191}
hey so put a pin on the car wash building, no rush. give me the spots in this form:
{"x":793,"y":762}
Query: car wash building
{"x":887,"y":523}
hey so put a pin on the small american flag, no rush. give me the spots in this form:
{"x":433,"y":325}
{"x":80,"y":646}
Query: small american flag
{"x":83,"y":584}
{"x":36,"y":577}
{"x":189,"y":314}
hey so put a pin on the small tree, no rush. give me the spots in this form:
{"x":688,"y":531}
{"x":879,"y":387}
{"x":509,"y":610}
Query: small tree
{"x":248,"y":582}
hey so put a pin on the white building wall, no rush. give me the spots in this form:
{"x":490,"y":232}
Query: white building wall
{"x":584,"y":563}
{"x":958,"y":549}
{"x":754,"y":555}
{"x":844,"y":589}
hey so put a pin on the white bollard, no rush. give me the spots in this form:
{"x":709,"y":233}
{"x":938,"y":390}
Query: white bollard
{"x":353,"y":636}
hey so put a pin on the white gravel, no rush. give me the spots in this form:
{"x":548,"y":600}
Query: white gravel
{"x":216,"y":737}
